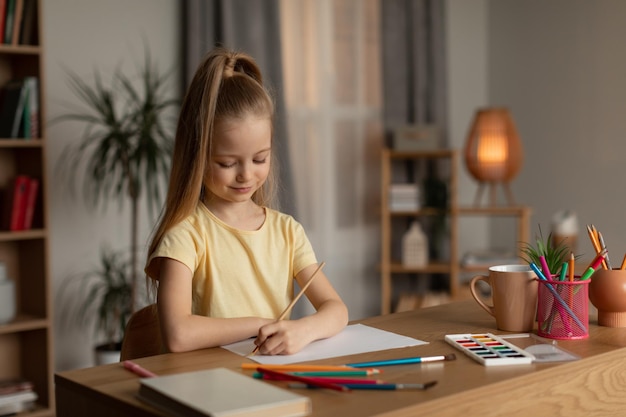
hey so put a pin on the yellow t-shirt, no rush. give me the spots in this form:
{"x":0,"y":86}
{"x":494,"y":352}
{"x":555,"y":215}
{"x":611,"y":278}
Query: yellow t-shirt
{"x":237,"y":273}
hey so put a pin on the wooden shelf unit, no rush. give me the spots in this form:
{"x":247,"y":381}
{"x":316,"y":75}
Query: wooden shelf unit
{"x":26,"y":342}
{"x":445,"y":160}
{"x":390,"y":265}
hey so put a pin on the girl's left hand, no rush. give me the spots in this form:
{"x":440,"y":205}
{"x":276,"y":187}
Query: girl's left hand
{"x":284,"y":337}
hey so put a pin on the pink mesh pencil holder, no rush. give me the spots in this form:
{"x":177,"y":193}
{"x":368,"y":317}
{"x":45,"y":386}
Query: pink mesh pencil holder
{"x":563,"y":309}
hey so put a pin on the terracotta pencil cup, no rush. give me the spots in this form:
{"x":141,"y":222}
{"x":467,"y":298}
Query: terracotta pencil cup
{"x":513,"y":296}
{"x":607,"y":292}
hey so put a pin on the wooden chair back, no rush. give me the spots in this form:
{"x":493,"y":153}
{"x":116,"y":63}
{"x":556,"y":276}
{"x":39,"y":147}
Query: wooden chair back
{"x":142,"y":336}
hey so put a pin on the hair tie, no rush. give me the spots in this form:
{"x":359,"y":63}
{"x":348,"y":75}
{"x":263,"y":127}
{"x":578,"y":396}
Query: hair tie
{"x":229,"y":68}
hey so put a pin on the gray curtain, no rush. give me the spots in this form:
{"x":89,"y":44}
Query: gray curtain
{"x":251,"y":26}
{"x":413,"y":62}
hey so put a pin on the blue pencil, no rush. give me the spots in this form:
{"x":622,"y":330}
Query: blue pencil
{"x":384,"y":387}
{"x":403,"y":361}
{"x":558,"y":298}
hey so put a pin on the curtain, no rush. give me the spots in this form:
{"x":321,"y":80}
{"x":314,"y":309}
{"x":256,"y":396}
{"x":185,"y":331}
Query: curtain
{"x":251,"y":26}
{"x":414,"y":92}
{"x":331,"y":54}
{"x":414,"y":82}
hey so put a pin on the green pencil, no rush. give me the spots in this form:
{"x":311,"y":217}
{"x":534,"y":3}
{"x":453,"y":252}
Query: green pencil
{"x":364,"y":372}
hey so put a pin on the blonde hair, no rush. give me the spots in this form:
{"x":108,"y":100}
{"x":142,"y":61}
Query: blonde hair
{"x":226,"y":86}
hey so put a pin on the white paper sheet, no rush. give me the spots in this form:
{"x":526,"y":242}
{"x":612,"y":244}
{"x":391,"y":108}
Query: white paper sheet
{"x":355,"y":338}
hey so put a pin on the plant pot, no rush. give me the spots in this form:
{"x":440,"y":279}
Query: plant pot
{"x":107,"y":353}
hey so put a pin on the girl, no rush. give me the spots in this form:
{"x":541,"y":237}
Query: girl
{"x":224,"y":261}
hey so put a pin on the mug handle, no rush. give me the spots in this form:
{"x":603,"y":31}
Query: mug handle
{"x":488,"y":308}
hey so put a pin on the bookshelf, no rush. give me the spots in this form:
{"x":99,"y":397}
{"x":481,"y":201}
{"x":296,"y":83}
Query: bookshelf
{"x":401,"y":167}
{"x":26,"y":341}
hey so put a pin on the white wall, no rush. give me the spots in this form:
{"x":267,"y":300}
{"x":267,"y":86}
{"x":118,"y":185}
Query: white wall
{"x":468,"y":89}
{"x":83,"y":35}
{"x":560,"y":66}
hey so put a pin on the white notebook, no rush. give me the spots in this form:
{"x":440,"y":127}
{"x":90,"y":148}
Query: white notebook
{"x":221,"y":392}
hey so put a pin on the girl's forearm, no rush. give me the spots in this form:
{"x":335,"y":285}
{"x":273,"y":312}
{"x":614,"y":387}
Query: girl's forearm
{"x":330,"y":319}
{"x":197,"y":332}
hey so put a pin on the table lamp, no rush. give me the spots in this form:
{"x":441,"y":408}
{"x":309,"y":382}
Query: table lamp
{"x":493,"y":152}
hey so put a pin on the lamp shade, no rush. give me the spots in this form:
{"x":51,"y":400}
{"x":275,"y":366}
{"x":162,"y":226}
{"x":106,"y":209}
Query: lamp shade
{"x":493,"y":151}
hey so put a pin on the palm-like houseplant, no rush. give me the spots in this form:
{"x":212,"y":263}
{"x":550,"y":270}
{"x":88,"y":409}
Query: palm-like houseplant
{"x":125,"y":153}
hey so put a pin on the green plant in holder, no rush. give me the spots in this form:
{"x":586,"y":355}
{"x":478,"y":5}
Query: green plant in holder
{"x":554,"y":253}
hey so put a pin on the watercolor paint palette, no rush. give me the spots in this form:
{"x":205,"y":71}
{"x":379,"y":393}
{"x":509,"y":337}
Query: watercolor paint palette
{"x":489,"y":349}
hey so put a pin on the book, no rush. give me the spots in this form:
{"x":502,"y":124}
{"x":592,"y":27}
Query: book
{"x":16,"y":203}
{"x":32,"y":191}
{"x":30,"y":117}
{"x":14,"y":97}
{"x":29,"y":23}
{"x":17,"y":402}
{"x":3,"y":9}
{"x":8,"y":23}
{"x":13,"y":385}
{"x":17,"y":21}
{"x":220,"y":392}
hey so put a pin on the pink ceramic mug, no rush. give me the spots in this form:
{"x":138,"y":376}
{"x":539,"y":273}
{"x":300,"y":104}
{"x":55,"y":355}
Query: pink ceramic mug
{"x":513,"y":296}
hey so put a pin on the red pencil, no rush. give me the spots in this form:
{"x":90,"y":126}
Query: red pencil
{"x":329,"y":380}
{"x":308,"y":381}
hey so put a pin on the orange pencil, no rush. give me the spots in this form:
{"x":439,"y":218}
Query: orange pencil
{"x":623,"y":263}
{"x":606,"y":264}
{"x":591,"y":230}
{"x":594,"y":240}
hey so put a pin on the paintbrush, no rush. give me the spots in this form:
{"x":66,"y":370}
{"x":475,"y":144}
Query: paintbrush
{"x":295,"y":300}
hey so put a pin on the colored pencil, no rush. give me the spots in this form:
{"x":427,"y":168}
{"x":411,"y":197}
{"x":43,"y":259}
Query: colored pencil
{"x":304,"y":368}
{"x":385,"y":387}
{"x":330,"y":380}
{"x":294,"y":301}
{"x":606,"y":263}
{"x":308,"y":381}
{"x":403,"y":361}
{"x":593,"y":235}
{"x":356,"y":372}
{"x":138,"y":370}
{"x":623,"y":266}
{"x":561,"y":303}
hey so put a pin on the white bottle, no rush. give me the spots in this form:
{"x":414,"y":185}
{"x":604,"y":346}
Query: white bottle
{"x":414,"y":246}
{"x":7,"y":296}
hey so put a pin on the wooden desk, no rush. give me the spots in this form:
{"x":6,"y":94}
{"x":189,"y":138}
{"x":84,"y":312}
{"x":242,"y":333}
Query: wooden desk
{"x":592,"y":386}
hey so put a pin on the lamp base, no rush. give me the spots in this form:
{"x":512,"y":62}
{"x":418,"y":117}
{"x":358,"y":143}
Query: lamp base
{"x":492,"y":193}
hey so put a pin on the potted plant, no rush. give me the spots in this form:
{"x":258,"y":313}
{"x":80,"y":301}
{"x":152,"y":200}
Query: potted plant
{"x":124,"y":155}
{"x":555,"y":253}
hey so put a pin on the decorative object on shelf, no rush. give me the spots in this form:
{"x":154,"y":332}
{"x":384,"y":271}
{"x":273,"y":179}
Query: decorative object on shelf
{"x":415,"y":137}
{"x":7,"y":296}
{"x":404,"y":197}
{"x":436,"y":197}
{"x":414,"y":246}
{"x":493,"y":152}
{"x":565,"y":229}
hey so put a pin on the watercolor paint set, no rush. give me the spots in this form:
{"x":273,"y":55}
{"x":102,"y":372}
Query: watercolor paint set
{"x":489,"y":349}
